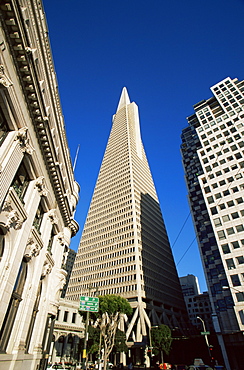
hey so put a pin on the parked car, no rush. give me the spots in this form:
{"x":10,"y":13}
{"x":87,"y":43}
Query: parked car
{"x":55,"y":366}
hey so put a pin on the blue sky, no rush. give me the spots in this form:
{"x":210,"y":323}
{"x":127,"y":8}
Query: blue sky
{"x":168,"y":53}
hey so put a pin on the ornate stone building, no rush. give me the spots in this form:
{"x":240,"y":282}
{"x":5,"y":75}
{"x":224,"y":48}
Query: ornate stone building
{"x":38,"y":193}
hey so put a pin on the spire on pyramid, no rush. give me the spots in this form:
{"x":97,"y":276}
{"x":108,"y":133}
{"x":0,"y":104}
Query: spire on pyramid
{"x":124,"y":99}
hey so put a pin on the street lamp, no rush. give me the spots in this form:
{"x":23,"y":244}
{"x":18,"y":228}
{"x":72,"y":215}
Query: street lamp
{"x":205,"y":333}
{"x":231,"y":287}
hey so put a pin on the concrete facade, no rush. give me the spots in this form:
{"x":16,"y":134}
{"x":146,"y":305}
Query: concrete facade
{"x":212,"y":152}
{"x":38,"y":193}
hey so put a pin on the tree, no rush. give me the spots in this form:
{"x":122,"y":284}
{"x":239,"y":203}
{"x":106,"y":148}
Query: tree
{"x":161,"y":340}
{"x":120,"y":342}
{"x":93,"y":340}
{"x":110,"y":308}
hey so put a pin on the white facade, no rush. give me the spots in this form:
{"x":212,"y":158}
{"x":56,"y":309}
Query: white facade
{"x":38,"y":193}
{"x":213,"y":158}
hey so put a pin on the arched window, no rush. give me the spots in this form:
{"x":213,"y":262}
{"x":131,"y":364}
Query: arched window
{"x":13,"y":306}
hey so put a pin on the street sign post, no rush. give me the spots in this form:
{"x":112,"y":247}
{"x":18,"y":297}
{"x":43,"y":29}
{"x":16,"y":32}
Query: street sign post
{"x":89,"y":304}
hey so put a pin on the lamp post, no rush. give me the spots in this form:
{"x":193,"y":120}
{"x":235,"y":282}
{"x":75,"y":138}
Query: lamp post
{"x":205,"y":335}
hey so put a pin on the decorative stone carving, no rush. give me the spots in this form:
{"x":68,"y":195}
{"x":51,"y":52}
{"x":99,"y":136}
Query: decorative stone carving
{"x":61,"y":238}
{"x":13,"y":220}
{"x":24,"y":140}
{"x":14,"y":211}
{"x":32,"y":248}
{"x":40,"y":186}
{"x":53,"y":216}
{"x":4,"y":79}
{"x":47,"y":268}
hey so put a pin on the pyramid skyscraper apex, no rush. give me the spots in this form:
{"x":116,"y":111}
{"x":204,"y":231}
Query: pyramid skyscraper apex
{"x":124,"y":99}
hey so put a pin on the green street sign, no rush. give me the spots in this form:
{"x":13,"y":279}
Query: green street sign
{"x":205,"y":332}
{"x":89,"y":304}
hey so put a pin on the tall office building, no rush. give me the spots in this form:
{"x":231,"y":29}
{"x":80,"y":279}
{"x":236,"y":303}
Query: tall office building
{"x":213,"y":159}
{"x":189,"y":285}
{"x":124,"y":247}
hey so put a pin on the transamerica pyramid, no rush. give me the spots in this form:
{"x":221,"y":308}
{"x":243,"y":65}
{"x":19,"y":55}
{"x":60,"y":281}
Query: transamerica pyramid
{"x":124,"y":248}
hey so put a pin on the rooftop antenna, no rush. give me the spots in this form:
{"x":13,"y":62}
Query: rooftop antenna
{"x":76,"y":155}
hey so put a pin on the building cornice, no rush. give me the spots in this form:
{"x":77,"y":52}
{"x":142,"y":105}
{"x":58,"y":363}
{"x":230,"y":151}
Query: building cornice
{"x":22,"y":53}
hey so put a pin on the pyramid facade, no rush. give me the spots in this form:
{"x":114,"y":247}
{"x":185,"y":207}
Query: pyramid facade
{"x":124,"y":247}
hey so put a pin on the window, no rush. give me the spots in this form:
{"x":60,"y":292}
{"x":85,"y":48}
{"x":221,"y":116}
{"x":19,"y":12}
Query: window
{"x":230,"y":203}
{"x":239,"y":228}
{"x":33,"y":317}
{"x":235,"y":280}
{"x":230,"y":231}
{"x":222,"y":206}
{"x":207,"y":189}
{"x":238,"y":155}
{"x":226,"y":218}
{"x":225,"y":248}
{"x":214,"y":210}
{"x":240,"y":296}
{"x":50,"y":242}
{"x":239,"y":200}
{"x":66,"y":316}
{"x":221,"y":234}
{"x":3,"y":128}
{"x":21,"y":181}
{"x":226,"y":192}
{"x":235,"y":215}
{"x":222,"y":161}
{"x":240,"y":260}
{"x":217,"y":222}
{"x":13,"y":306}
{"x":210,"y":199}
{"x":74,"y":317}
{"x":235,"y":244}
{"x":230,"y":158}
{"x":38,"y":217}
{"x":230,"y":264}
{"x":238,"y":176}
